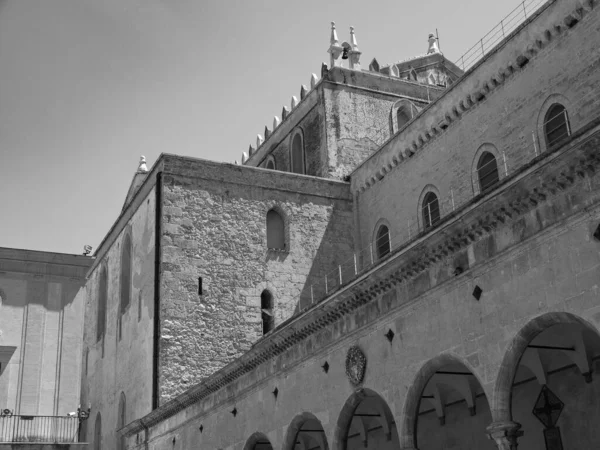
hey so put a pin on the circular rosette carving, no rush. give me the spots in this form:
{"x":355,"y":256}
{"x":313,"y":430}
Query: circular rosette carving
{"x":356,"y":363}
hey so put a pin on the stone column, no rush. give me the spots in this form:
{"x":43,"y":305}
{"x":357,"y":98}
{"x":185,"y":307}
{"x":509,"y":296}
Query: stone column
{"x":505,"y":434}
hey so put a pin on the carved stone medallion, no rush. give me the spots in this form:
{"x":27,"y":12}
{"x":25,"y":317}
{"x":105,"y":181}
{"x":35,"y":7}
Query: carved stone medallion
{"x":356,"y":363}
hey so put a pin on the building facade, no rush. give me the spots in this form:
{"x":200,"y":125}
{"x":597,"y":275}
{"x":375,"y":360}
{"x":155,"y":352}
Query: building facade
{"x":408,"y":259}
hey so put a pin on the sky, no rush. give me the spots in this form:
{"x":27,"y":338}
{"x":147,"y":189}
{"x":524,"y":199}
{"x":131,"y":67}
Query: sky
{"x":87,"y":86}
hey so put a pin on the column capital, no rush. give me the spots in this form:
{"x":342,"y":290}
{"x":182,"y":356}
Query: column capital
{"x":505,"y":434}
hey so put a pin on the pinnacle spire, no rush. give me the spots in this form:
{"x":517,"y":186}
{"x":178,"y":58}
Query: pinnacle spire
{"x":142,"y":165}
{"x":334,"y":39}
{"x":353,"y":42}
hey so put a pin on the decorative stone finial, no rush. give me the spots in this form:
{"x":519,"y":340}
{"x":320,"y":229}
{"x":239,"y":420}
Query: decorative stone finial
{"x":433,"y":44}
{"x":259,"y":141}
{"x":267,"y":132}
{"x":294,"y":101}
{"x":394,"y":71}
{"x":354,"y":53}
{"x":284,"y":112}
{"x":251,"y":150}
{"x":303,"y":91}
{"x":313,"y":80}
{"x":244,"y":157}
{"x":335,"y":49}
{"x":276,"y":122}
{"x":142,"y":166}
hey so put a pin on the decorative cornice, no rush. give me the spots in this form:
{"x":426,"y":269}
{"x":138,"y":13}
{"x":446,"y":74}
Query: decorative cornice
{"x":509,"y":201}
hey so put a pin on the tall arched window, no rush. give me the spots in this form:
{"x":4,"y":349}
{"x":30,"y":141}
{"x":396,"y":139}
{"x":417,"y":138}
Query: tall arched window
{"x":98,"y":432}
{"x":275,"y":231}
{"x":102,"y":298}
{"x":487,"y":171}
{"x":297,"y":154}
{"x":403,"y":111}
{"x":402,"y":117}
{"x":556,"y":125}
{"x":121,"y":422}
{"x":431,"y":210}
{"x":382,"y":241}
{"x":266,"y":306}
{"x":126,"y":272}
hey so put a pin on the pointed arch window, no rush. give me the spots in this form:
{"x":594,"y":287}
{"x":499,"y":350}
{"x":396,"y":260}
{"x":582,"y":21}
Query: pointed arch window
{"x":275,"y":231}
{"x":403,"y":112}
{"x":266,"y":305}
{"x":487,"y":171}
{"x":102,"y":300}
{"x":431,"y":210}
{"x":297,"y":156}
{"x":556,"y":125}
{"x":121,"y":422}
{"x":126,"y":252}
{"x":270,"y":163}
{"x":382,"y":241}
{"x":98,"y":433}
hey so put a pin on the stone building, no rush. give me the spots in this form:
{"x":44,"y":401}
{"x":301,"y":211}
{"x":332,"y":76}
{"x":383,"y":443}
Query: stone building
{"x":41,"y":325}
{"x":408,"y":259}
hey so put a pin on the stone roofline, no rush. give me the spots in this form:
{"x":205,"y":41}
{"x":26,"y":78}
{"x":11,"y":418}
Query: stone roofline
{"x":309,"y":98}
{"x":546,"y":175}
{"x":472,"y":88}
{"x":192,"y":167}
{"x":44,"y":263}
{"x":425,"y":60}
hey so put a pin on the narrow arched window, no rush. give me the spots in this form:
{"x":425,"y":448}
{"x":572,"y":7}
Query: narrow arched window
{"x":556,"y":125}
{"x":297,"y":157}
{"x":275,"y":231}
{"x":270,"y":164}
{"x":102,"y":298}
{"x":431,"y":210}
{"x":487,"y":171}
{"x":266,"y":306}
{"x":402,"y":117}
{"x":121,"y":422}
{"x":98,"y":433}
{"x":126,"y":272}
{"x":382,"y":241}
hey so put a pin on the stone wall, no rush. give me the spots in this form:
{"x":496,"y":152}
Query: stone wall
{"x":506,"y":121}
{"x":111,"y":365}
{"x":217,"y":231}
{"x":40,"y":331}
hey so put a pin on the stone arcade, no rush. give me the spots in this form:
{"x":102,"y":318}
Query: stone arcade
{"x":409,"y":258}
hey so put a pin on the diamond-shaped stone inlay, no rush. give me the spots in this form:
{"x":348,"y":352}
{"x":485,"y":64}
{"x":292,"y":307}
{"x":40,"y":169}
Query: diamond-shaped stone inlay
{"x":548,"y":407}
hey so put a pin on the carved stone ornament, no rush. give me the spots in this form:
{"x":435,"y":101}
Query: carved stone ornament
{"x":356,"y":363}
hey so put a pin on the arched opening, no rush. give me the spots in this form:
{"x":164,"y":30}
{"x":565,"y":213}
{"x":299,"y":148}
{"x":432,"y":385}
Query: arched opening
{"x":402,"y":117}
{"x":382,"y":241}
{"x":98,"y":433}
{"x":297,"y":157}
{"x":121,"y":422}
{"x":305,"y":433}
{"x":366,"y":422}
{"x":487,"y":171}
{"x":126,"y":272}
{"x":275,"y":231}
{"x":556,"y":125}
{"x":448,"y":405}
{"x":266,"y":305}
{"x":270,"y":163}
{"x":548,"y":383}
{"x":431,"y":210}
{"x":403,"y":112}
{"x":102,"y":299}
{"x":258,"y":441}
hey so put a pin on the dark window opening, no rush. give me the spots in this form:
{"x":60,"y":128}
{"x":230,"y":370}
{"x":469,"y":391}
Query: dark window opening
{"x":126,"y":273}
{"x":102,"y":299}
{"x":270,"y":164}
{"x":200,"y":286}
{"x":402,"y":117}
{"x":98,"y":433}
{"x":487,"y":171}
{"x":275,"y":231}
{"x":382,"y":243}
{"x":431,"y":210}
{"x":266,"y":306}
{"x":298,"y":154}
{"x":121,"y":422}
{"x":556,"y":125}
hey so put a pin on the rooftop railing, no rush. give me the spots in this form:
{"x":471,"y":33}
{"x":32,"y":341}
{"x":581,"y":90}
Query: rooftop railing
{"x":506,"y":26}
{"x":39,"y":429}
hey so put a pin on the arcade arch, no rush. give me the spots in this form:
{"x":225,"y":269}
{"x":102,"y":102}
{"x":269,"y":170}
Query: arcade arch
{"x":366,"y":422}
{"x":258,"y":441}
{"x":547,"y":387}
{"x":305,"y":433}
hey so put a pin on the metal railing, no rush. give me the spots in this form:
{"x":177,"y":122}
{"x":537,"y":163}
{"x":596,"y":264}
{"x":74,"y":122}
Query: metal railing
{"x":39,"y":429}
{"x":458,"y":195}
{"x":506,"y":26}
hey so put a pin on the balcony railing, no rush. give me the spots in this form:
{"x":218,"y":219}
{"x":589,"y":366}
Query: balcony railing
{"x":39,"y":429}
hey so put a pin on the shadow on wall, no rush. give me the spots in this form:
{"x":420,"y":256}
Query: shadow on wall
{"x":54,"y":296}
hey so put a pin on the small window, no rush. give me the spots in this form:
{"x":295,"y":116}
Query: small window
{"x":275,"y":231}
{"x":126,"y":273}
{"x":556,"y":125}
{"x":297,"y":156}
{"x":431,"y":210}
{"x":270,"y":163}
{"x":266,"y":305}
{"x":402,"y":117}
{"x":487,"y":171}
{"x":382,"y":242}
{"x":102,"y":298}
{"x":403,"y":112}
{"x":98,"y":433}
